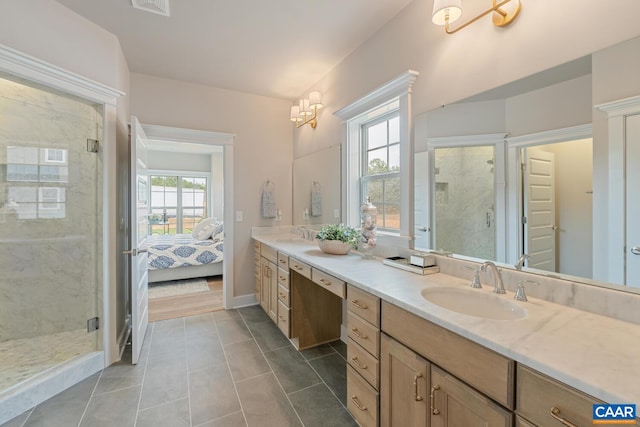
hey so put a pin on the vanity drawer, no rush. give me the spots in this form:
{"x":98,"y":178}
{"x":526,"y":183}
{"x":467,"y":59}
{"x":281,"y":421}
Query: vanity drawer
{"x":537,"y":395}
{"x":283,"y":260}
{"x":364,"y":333}
{"x":300,"y":267}
{"x":363,"y":363}
{"x":484,"y":369}
{"x":284,"y":318}
{"x":521,"y":422}
{"x":330,"y":283}
{"x":284,"y":296}
{"x":362,"y":400}
{"x":269,"y":253}
{"x":364,"y":305}
{"x":283,"y":278}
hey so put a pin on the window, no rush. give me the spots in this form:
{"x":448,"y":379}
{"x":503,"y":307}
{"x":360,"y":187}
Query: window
{"x":378,"y":155}
{"x":178,"y":203}
{"x":380,"y":178}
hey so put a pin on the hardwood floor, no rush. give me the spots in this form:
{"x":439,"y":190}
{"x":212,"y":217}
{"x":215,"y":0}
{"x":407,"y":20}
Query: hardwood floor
{"x":188,"y":305}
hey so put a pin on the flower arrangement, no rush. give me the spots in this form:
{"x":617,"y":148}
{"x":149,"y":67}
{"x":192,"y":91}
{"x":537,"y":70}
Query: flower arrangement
{"x":340,"y":232}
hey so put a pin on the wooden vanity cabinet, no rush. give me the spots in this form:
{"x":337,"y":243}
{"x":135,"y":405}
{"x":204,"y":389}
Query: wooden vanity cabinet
{"x":453,"y":403}
{"x":257,"y":270}
{"x":269,"y":283}
{"x":363,"y":355}
{"x":537,"y":395}
{"x":283,"y":294}
{"x":404,"y":386}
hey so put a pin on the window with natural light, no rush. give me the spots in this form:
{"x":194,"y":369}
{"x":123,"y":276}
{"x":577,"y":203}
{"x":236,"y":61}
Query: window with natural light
{"x":178,"y":203}
{"x":380,"y":179}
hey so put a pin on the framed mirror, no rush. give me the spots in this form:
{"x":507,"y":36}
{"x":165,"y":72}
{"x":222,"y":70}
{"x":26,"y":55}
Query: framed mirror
{"x":526,"y":169}
{"x":316,"y":187}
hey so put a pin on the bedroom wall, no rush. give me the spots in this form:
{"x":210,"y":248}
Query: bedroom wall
{"x":263,"y":148}
{"x":47,"y":30}
{"x":172,"y":161}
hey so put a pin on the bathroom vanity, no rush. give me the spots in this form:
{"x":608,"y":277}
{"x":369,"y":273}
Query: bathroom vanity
{"x":413,"y":362}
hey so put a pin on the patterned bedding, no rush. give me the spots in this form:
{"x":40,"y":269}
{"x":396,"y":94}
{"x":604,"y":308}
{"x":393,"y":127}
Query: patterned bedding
{"x":181,"y":250}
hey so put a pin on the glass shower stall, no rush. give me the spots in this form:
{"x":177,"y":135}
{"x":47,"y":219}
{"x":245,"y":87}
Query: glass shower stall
{"x":50,"y":230}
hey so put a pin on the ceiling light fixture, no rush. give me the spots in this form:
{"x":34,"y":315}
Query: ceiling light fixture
{"x":446,"y":12}
{"x":161,"y":7}
{"x":306,"y":112}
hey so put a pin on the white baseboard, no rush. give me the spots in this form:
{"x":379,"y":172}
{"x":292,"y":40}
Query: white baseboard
{"x":244,"y":301}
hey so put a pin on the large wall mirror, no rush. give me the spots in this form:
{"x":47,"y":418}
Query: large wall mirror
{"x":512,"y":171}
{"x":316,"y":187}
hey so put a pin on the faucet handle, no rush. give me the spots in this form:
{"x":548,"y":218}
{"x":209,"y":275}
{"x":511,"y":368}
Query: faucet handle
{"x":520,"y":294}
{"x":475,"y":282}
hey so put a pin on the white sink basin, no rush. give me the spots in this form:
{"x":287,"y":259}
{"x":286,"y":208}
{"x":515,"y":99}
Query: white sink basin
{"x":473,"y":302}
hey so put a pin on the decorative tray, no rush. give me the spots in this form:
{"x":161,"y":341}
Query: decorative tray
{"x":403,"y":264}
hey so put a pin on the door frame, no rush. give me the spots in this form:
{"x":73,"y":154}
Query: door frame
{"x":226,"y":140}
{"x":515,"y":245}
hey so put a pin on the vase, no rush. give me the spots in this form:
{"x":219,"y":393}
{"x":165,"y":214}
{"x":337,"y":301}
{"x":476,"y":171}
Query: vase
{"x":334,"y":247}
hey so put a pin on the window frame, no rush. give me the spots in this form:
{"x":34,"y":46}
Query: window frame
{"x":180,"y":175}
{"x":366,"y":178}
{"x":397,"y":90}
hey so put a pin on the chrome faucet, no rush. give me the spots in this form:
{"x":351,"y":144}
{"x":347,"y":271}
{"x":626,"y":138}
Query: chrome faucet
{"x":521,"y":261}
{"x":497,"y":278}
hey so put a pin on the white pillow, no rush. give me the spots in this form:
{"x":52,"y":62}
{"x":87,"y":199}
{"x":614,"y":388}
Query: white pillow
{"x":218,"y":232}
{"x":206,"y":232}
{"x":201,"y":225}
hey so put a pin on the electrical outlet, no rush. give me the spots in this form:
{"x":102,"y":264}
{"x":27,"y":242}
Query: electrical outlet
{"x":336,"y":213}
{"x":305,"y":214}
{"x":239,"y":216}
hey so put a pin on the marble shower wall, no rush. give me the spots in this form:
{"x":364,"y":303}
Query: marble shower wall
{"x":50,"y":212}
{"x":464,"y":197}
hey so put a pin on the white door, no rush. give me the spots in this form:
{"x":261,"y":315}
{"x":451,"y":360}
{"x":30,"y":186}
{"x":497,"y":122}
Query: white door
{"x":540,"y":209}
{"x":139,"y":231}
{"x":421,"y":191}
{"x":633,"y":201}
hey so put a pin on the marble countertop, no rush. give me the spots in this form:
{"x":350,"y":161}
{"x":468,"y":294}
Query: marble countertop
{"x":596,"y":354}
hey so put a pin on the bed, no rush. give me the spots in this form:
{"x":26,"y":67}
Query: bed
{"x":183,"y":256}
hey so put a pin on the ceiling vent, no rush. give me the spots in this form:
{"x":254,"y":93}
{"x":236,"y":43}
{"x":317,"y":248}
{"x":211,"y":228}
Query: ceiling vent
{"x":161,"y":7}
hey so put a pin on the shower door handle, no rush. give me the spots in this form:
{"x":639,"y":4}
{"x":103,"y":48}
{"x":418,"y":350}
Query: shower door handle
{"x":635,"y":250}
{"x":135,"y":252}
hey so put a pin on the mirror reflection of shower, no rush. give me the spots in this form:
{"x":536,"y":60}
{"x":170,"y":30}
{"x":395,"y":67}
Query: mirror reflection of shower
{"x":465,"y":201}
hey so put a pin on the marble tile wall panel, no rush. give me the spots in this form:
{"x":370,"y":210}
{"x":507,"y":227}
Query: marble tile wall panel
{"x":51,"y":262}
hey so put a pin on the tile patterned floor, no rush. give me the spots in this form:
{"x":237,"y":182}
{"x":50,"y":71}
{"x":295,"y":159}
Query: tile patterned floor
{"x":228,"y":368}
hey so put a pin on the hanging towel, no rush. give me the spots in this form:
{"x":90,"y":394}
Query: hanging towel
{"x":268,"y":200}
{"x":316,"y":199}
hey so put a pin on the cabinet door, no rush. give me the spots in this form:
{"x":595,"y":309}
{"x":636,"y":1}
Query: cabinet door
{"x":454,"y":403}
{"x":273,"y":292}
{"x":264,"y":294}
{"x":404,"y":386}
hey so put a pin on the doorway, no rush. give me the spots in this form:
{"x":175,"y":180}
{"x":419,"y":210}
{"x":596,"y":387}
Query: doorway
{"x":557,"y":206}
{"x":190,"y":196}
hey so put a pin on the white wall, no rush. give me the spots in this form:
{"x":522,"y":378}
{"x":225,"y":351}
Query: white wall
{"x":217,"y":185}
{"x":172,"y":161}
{"x":263,"y":148}
{"x":476,"y":59}
{"x":48,"y":31}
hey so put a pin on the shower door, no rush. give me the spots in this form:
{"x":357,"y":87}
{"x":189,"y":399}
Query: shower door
{"x":464,"y":201}
{"x":50,"y":230}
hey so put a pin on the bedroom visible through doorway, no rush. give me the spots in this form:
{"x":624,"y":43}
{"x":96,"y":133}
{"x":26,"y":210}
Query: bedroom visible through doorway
{"x":186,"y":211}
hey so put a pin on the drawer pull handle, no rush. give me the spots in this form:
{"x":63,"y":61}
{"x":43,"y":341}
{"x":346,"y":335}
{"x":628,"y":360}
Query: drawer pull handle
{"x":359,"y":334}
{"x":434,"y":410}
{"x":415,"y":384}
{"x":283,"y":277}
{"x":358,"y":363}
{"x":358,"y":305}
{"x":283,"y":261}
{"x":325,"y":282}
{"x":555,"y":413}
{"x":284,"y":319}
{"x":283,"y":296}
{"x":360,"y":406}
